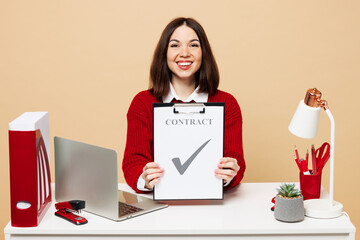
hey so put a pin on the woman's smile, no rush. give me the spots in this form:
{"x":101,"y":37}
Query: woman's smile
{"x":184,"y":65}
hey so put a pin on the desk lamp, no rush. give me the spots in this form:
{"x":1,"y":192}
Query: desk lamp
{"x":304,"y":124}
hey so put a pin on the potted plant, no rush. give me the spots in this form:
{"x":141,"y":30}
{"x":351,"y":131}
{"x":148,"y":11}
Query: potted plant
{"x":289,"y":205}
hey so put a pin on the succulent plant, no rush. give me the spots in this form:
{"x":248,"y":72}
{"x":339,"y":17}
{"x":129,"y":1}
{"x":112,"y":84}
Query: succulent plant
{"x":288,"y":190}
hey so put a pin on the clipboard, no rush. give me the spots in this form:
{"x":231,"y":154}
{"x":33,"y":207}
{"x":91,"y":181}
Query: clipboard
{"x":188,"y":144}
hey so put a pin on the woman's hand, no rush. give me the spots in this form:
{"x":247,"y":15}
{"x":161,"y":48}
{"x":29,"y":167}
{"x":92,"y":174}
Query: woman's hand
{"x":151,"y":174}
{"x":227,"y":169}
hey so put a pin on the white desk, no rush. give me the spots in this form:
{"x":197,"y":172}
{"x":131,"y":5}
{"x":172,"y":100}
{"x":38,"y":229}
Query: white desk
{"x":244,"y":213}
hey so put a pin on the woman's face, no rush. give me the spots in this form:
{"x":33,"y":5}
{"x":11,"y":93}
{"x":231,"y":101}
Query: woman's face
{"x":184,"y":53}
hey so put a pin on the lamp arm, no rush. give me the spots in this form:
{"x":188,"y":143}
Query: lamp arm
{"x":332,"y":150}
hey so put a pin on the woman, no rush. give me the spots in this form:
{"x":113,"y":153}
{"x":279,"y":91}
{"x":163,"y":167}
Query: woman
{"x":183,"y":70}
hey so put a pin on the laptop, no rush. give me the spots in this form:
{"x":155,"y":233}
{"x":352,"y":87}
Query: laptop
{"x":90,"y":173}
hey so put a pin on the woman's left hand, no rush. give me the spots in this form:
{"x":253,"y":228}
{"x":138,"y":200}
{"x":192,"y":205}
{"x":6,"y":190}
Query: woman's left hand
{"x":227,"y":169}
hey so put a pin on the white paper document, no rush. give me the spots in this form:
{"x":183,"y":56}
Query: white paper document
{"x":188,"y":144}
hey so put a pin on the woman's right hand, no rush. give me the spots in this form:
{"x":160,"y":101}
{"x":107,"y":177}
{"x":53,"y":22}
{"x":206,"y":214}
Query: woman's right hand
{"x":151,"y":174}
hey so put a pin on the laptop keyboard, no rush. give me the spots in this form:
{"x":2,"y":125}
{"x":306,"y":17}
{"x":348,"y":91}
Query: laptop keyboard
{"x":125,"y":209}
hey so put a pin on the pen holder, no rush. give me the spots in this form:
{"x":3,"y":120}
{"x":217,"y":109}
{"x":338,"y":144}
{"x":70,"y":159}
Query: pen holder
{"x":310,"y":185}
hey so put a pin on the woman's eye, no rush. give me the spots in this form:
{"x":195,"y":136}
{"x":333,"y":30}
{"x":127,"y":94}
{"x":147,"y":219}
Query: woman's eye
{"x":174,"y":45}
{"x":194,"y":45}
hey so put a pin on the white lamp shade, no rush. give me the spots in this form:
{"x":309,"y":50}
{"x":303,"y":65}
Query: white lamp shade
{"x":305,"y":121}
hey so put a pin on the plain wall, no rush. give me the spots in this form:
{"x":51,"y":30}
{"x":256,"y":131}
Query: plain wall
{"x":84,"y":61}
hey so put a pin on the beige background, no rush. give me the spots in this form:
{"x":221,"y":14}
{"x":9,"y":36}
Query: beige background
{"x":83,"y":61}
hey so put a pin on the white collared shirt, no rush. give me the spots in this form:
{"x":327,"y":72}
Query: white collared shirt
{"x":195,"y":96}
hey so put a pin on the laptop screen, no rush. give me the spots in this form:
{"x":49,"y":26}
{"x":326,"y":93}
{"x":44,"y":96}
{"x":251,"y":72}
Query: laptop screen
{"x":86,"y":172}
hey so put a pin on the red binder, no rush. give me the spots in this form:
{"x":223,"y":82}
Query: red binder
{"x":30,"y":190}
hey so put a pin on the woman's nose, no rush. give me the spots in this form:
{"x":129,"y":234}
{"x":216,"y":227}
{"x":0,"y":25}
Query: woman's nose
{"x":185,"y":51}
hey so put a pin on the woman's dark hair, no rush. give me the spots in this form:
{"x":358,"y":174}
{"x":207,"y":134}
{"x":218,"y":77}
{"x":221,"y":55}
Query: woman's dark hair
{"x":207,"y":77}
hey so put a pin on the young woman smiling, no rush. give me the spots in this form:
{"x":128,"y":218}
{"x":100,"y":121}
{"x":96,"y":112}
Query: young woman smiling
{"x":183,"y":70}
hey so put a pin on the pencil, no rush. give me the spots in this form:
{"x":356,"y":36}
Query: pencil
{"x":313,"y":158}
{"x":297,"y":153}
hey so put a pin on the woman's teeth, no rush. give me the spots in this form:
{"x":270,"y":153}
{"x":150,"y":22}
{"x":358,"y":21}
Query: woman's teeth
{"x":184,"y":63}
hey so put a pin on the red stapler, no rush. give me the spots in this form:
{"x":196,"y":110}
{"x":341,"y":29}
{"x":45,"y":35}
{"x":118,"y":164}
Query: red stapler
{"x":65,"y":210}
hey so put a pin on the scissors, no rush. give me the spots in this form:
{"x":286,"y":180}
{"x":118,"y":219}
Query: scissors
{"x":322,"y":154}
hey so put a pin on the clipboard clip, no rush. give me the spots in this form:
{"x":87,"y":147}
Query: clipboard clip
{"x":189,"y":108}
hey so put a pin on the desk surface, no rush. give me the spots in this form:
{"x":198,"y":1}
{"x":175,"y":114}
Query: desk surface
{"x":245,"y":211}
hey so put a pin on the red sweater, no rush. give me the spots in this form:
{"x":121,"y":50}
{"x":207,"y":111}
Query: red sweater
{"x":139,"y":142}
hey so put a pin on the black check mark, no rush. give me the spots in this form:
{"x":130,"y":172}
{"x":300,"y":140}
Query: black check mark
{"x":182,"y":167}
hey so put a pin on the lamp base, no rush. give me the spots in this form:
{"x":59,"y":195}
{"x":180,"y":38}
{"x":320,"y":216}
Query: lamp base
{"x":321,"y":208}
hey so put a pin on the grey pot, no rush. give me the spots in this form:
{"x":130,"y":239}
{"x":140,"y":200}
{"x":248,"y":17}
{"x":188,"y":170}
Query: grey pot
{"x":289,"y":209}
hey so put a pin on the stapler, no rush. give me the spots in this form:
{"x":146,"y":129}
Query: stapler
{"x":65,"y":210}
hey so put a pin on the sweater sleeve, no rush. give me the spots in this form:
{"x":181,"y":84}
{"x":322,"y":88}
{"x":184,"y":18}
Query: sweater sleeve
{"x":233,"y":144}
{"x":138,"y":149}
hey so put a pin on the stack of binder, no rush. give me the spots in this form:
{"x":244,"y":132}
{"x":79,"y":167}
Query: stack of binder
{"x":29,"y":155}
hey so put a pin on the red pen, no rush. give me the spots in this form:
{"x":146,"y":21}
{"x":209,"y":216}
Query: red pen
{"x":307,"y":157}
{"x":307,"y":154}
